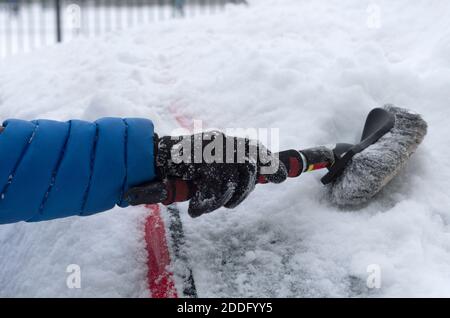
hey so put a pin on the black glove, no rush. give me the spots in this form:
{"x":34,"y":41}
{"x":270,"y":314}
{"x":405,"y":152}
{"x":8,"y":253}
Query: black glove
{"x":223,"y":169}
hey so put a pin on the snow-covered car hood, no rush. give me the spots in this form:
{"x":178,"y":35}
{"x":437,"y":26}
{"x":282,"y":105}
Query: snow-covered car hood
{"x":313,"y":69}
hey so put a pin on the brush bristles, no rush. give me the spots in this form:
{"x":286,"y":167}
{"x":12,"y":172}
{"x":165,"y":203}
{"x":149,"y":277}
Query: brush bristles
{"x":369,"y":171}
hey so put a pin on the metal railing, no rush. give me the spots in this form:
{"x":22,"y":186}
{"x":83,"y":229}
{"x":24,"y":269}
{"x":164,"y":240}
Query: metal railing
{"x":26,"y":25}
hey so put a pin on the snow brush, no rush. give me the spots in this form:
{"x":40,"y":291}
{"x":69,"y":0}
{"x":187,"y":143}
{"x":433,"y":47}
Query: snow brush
{"x":356,"y":172}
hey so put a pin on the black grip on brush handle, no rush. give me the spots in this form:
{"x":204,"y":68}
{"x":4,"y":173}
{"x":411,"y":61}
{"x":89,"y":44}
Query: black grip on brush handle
{"x":177,"y":190}
{"x":166,"y":192}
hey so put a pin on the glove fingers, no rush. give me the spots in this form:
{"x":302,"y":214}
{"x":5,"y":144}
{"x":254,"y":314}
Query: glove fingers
{"x":275,"y":172}
{"x":246,"y":184}
{"x":212,"y":192}
{"x":270,"y":166}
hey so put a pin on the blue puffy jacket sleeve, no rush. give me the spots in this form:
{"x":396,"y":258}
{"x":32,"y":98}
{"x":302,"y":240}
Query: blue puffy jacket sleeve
{"x":51,"y":169}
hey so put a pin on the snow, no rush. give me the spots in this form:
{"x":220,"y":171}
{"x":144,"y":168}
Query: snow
{"x":312,"y":69}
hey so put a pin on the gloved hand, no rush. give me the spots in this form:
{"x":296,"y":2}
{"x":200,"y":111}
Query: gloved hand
{"x":223,"y":169}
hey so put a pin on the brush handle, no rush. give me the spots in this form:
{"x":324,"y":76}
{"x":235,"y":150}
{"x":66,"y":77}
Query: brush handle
{"x":177,"y":190}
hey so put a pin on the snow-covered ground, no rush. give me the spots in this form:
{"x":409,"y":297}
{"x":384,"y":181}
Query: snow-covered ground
{"x":311,"y":68}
